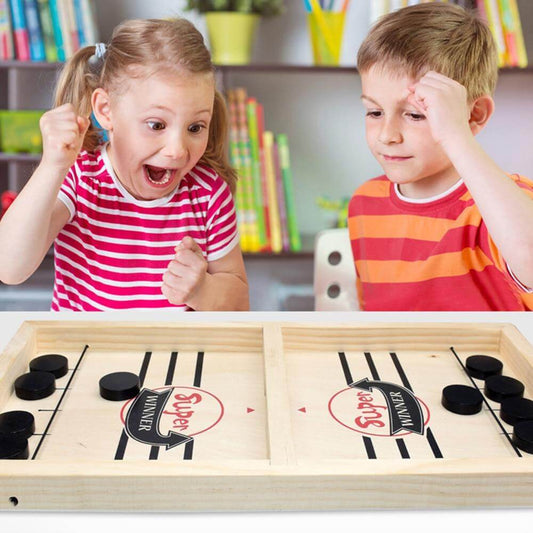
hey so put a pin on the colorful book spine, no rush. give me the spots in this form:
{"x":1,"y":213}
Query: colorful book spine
{"x":378,"y":8}
{"x":284,"y":158}
{"x":47,"y":28}
{"x":31,"y":11}
{"x":20,"y":30}
{"x":275,"y":223}
{"x":495,"y":25}
{"x":64,"y":28}
{"x":58,"y":34}
{"x":251,"y":116}
{"x":7,"y":50}
{"x":281,"y":200}
{"x":244,"y":148}
{"x":72,"y":26}
{"x":236,"y":162}
{"x":80,"y":25}
{"x":266,"y":209}
{"x":88,"y":16}
{"x":521,"y":53}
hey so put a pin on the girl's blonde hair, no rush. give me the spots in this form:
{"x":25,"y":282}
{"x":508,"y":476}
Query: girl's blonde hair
{"x":434,"y":36}
{"x":140,"y":48}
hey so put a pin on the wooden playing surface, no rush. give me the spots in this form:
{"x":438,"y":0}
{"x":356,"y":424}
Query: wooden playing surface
{"x":265,"y":416}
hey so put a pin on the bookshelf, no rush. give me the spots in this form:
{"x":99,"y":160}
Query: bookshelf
{"x":319,"y":109}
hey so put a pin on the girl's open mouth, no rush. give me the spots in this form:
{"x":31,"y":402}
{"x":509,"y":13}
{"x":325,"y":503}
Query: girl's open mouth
{"x":159,"y":176}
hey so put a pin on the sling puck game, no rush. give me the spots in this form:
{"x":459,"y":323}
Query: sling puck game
{"x":265,"y":416}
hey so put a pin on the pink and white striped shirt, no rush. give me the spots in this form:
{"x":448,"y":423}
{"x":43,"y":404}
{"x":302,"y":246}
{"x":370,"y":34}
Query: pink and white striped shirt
{"x":114,"y":250}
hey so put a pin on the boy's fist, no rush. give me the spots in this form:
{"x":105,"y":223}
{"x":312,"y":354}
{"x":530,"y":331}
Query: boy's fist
{"x":445,"y":104}
{"x":63,"y":132}
{"x":185,"y":273}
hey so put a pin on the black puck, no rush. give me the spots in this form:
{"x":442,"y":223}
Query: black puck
{"x":54,"y":363}
{"x":13,"y":447}
{"x":17,"y":423}
{"x":515,"y":410}
{"x":35,"y":385}
{"x":499,"y":388}
{"x":462,"y":399}
{"x":119,"y":386}
{"x":523,"y":436}
{"x":483,"y":366}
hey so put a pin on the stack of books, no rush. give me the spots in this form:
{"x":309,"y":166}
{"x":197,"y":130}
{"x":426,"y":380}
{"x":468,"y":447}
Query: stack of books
{"x":45,"y":30}
{"x":502,"y":17}
{"x":264,"y":199}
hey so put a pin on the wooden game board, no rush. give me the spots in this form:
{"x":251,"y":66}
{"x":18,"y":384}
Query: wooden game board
{"x":264,"y":416}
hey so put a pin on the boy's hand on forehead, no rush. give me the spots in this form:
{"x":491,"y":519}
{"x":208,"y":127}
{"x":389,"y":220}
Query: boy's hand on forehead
{"x":63,"y":132}
{"x":444,"y":103}
{"x":185,"y":274}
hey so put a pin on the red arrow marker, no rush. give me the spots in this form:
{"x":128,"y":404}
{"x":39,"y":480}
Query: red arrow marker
{"x":302,"y":410}
{"x":249,"y":410}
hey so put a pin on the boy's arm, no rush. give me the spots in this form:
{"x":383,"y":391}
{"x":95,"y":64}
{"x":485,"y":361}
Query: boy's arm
{"x":506,"y":210}
{"x":219,"y":285}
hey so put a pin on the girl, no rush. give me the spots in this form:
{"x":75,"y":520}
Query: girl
{"x":162,"y":180}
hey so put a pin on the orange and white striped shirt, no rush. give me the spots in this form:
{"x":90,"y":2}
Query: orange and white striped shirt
{"x":429,"y":255}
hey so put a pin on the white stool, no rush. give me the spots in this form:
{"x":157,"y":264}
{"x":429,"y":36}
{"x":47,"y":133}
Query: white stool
{"x":334,"y":272}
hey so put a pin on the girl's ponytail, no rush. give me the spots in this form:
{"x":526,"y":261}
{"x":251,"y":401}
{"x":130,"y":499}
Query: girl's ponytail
{"x":77,"y":81}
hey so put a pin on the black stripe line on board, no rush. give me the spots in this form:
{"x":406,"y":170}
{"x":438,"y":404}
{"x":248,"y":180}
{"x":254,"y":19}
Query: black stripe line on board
{"x":154,"y":450}
{"x":123,"y":440}
{"x":400,"y":370}
{"x":433,"y":444}
{"x":371,"y":366}
{"x":59,"y":402}
{"x":507,"y":436}
{"x":369,"y":447}
{"x":432,"y":441}
{"x":189,"y":446}
{"x":345,"y":368}
{"x":403,"y":449}
{"x":199,"y":367}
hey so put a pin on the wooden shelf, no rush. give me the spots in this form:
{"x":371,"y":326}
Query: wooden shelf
{"x":19,"y":158}
{"x":267,"y":67}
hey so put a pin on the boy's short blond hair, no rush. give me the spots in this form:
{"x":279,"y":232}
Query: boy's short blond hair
{"x":434,"y":36}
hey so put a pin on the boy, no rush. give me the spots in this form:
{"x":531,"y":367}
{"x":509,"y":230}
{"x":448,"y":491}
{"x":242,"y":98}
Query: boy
{"x":444,"y":228}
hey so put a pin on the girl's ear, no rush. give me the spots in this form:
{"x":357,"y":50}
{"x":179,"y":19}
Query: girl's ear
{"x":480,"y":112}
{"x":100,"y":102}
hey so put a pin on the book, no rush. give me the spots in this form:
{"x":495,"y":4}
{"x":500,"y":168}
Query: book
{"x":68,"y":45}
{"x":20,"y":30}
{"x":80,"y":24}
{"x":251,"y":117}
{"x":275,"y":223}
{"x":495,"y":25}
{"x":31,"y":11}
{"x":286,"y":172}
{"x":246,"y":169}
{"x":71,"y":26}
{"x":510,"y":7}
{"x":378,"y":8}
{"x":88,"y":17}
{"x":266,"y":210}
{"x":45,"y":16}
{"x":7,"y":49}
{"x":236,"y":162}
{"x":286,"y":244}
{"x":58,"y":33}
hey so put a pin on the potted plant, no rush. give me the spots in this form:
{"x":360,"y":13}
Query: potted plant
{"x":231,"y":26}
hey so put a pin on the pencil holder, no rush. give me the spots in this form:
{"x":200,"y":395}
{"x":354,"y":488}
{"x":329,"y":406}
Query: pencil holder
{"x":326,"y":30}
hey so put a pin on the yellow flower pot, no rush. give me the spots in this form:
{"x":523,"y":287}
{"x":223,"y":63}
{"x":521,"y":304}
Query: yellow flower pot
{"x":231,"y":36}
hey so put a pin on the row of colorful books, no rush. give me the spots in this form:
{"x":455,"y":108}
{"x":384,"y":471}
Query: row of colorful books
{"x":45,"y":30}
{"x":502,"y":16}
{"x":265,"y":198}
